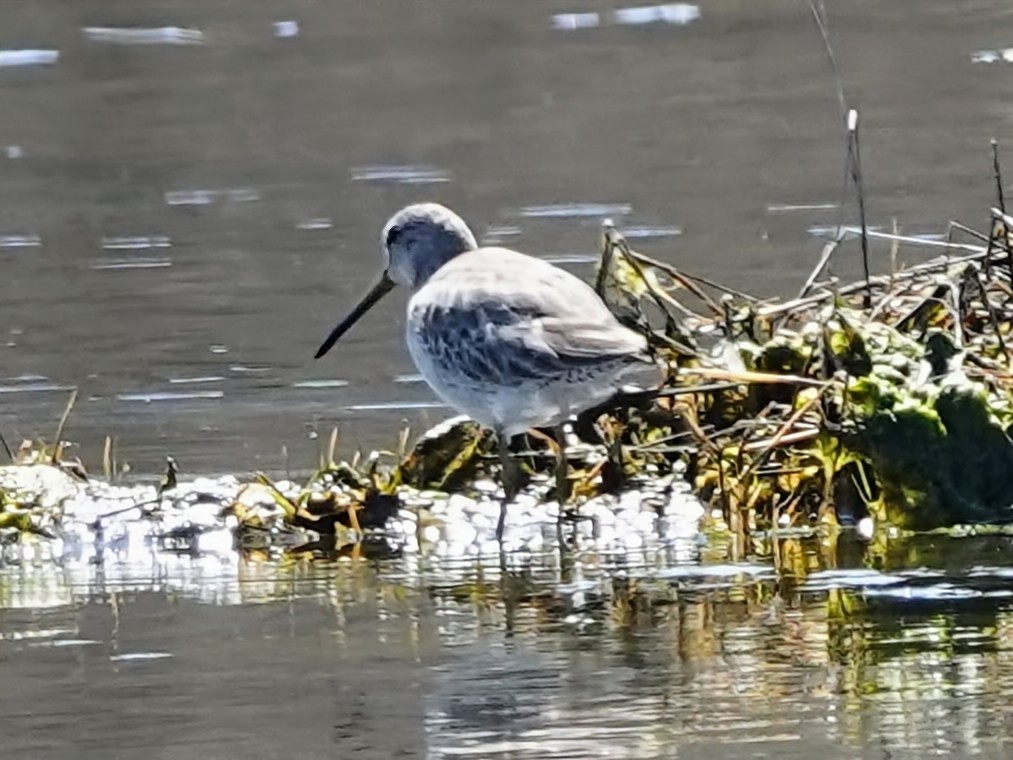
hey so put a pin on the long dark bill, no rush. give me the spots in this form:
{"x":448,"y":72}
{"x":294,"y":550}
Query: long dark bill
{"x":377,"y":292}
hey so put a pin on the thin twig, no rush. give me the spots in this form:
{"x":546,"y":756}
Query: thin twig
{"x":746,"y":376}
{"x":674,"y":273}
{"x":997,"y":171}
{"x":828,"y":251}
{"x":855,"y":160}
{"x":107,"y":459}
{"x":332,"y":446}
{"x":894,"y":247}
{"x":820,"y":17}
{"x":918,"y":241}
{"x":57,"y":447}
{"x":787,"y":439}
{"x":784,"y":431}
{"x":954,"y":225}
{"x":907,"y":274}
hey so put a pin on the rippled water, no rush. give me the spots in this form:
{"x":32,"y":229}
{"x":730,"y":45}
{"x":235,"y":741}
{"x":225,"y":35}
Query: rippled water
{"x":191,"y":192}
{"x":580,"y":655}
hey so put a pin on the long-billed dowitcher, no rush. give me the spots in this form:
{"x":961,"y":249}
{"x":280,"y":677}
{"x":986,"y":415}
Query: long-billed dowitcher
{"x":508,"y":339}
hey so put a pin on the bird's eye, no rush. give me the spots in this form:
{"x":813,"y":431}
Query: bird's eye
{"x":392,"y":235}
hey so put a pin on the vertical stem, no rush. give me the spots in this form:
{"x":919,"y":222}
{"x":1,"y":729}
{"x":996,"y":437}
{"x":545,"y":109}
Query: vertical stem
{"x":855,"y":160}
{"x":997,"y":171}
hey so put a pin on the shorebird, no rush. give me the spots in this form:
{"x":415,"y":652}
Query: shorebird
{"x":508,"y":339}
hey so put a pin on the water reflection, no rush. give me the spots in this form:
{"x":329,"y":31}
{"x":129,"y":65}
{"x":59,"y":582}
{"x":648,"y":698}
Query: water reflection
{"x":585,"y":654}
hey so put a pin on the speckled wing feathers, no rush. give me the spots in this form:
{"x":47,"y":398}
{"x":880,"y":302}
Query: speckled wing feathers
{"x":497,"y":316}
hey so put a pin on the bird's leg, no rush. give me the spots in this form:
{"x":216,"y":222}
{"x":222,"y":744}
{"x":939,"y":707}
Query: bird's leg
{"x":558,"y":447}
{"x":562,"y":467}
{"x":511,"y":480}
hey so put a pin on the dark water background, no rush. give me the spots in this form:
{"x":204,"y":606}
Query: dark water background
{"x":180,"y":224}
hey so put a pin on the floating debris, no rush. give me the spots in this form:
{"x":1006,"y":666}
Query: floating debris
{"x":195,"y":380}
{"x":164,"y":35}
{"x":28,"y":57}
{"x":14,"y":151}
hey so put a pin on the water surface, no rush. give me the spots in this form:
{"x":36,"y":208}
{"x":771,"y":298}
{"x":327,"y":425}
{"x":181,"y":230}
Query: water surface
{"x":584,"y":655}
{"x":191,"y":193}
